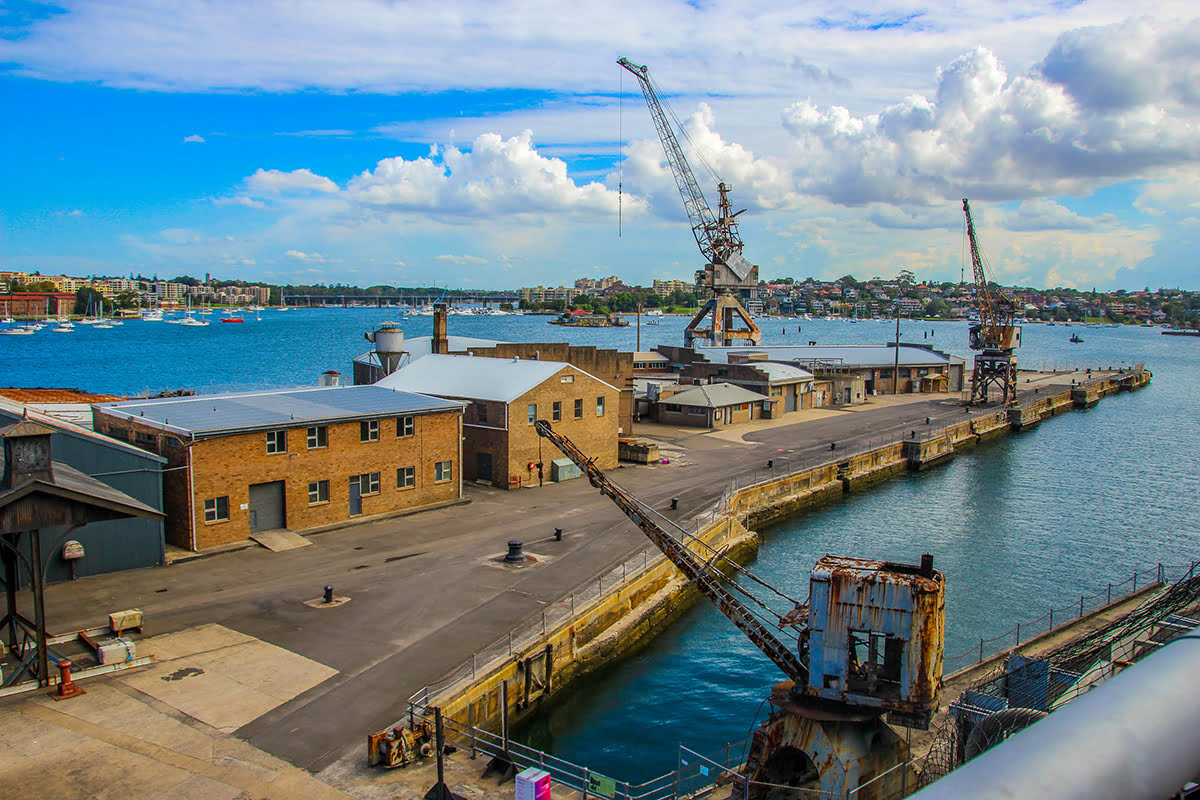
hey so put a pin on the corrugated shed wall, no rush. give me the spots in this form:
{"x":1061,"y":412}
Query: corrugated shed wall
{"x":110,"y":546}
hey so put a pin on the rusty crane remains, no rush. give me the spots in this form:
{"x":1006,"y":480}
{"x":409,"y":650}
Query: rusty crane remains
{"x":867,"y":643}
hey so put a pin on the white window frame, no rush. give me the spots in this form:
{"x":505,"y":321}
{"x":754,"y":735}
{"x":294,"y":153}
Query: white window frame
{"x":368,"y":483}
{"x":406,"y":477}
{"x":317,"y":437}
{"x":405,"y":426}
{"x":531,"y":413}
{"x":600,"y":406}
{"x":370,"y":427}
{"x":273,"y":443}
{"x":443,"y":471}
{"x":315,"y":491}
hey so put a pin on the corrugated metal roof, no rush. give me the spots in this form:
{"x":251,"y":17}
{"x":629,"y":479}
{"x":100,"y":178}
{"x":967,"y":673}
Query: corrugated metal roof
{"x":500,"y":380}
{"x":851,"y":355}
{"x":779,"y":373}
{"x":40,"y":395}
{"x":247,"y":411}
{"x":716,"y":395}
{"x":70,"y":429}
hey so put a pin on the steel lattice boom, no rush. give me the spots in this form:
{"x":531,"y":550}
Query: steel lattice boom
{"x":695,"y":570}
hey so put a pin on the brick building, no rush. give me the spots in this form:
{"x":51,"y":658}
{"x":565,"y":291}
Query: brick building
{"x":297,"y":459}
{"x":36,"y":304}
{"x":506,"y":397}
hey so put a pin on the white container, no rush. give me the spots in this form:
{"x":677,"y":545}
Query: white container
{"x":116,"y":651}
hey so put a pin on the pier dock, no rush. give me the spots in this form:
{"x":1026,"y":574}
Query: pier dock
{"x":426,"y":595}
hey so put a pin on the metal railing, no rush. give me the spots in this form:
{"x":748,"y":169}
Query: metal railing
{"x":532,"y":635}
{"x":1111,"y":594}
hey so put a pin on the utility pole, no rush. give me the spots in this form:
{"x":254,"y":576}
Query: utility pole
{"x":896,"y":370}
{"x":638,"y":347}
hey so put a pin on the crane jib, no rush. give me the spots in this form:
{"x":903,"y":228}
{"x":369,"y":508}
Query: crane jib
{"x":694,"y":570}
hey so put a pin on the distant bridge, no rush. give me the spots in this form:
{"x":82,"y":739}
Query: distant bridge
{"x":381,"y":301}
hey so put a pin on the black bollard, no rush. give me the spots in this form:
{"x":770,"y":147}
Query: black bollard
{"x":833,"y":445}
{"x":674,"y":503}
{"x":927,"y":420}
{"x":515,"y":554}
{"x":328,"y":594}
{"x":558,"y":534}
{"x":770,"y":463}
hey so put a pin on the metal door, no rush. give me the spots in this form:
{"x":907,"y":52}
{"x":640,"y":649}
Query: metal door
{"x":355,"y":497}
{"x":849,"y":396}
{"x":790,"y":400}
{"x":483,"y":466}
{"x":267,"y":506}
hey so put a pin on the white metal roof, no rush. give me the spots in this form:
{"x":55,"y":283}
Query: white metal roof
{"x":236,"y":412}
{"x":850,"y":355}
{"x":476,"y":378}
{"x":781,"y":373}
{"x":716,"y":395}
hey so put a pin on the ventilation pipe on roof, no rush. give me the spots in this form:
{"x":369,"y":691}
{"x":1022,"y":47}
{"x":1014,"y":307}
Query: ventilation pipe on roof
{"x":389,"y":347}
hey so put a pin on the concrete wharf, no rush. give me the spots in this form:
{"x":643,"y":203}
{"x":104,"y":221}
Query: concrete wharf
{"x":425,"y":595}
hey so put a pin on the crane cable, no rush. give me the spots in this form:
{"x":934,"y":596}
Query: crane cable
{"x":679,"y":126}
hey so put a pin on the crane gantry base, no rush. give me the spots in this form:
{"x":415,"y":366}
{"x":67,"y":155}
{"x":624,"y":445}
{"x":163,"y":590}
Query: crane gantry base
{"x":722,"y":311}
{"x":994,"y":368}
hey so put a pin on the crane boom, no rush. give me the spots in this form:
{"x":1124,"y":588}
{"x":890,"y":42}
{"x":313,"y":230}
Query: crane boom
{"x":996,"y":335}
{"x":698,"y":211}
{"x":693,"y":569}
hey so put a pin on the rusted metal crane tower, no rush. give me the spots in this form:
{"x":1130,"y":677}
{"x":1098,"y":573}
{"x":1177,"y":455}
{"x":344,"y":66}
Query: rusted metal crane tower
{"x":727,"y":271}
{"x":867,"y":643}
{"x":995,"y":337}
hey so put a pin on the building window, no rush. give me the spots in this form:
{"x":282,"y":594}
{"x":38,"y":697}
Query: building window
{"x":579,"y":408}
{"x":567,"y":379}
{"x":368,"y":430}
{"x":368,"y":483}
{"x":885,"y":374}
{"x":480,"y":413}
{"x":556,"y":411}
{"x":600,"y":406}
{"x":318,"y":437}
{"x":442,"y":472}
{"x":406,"y":477}
{"x":276,"y":442}
{"x":674,"y":407}
{"x":531,"y":413}
{"x":405,"y":426}
{"x":216,"y":509}
{"x":318,"y":491}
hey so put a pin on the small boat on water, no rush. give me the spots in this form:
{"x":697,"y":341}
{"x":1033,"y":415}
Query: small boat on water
{"x":231,"y":319}
{"x":1075,"y":338}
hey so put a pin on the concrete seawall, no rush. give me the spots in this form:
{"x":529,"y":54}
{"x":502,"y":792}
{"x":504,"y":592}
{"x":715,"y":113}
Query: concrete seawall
{"x":619,"y":622}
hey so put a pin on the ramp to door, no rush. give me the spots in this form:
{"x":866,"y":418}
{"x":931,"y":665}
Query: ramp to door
{"x":266,"y":506}
{"x":279,"y":540}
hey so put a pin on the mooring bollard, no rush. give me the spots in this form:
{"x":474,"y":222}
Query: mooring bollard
{"x":66,"y":686}
{"x":558,"y":534}
{"x":515,"y":554}
{"x":833,"y":445}
{"x":674,"y":503}
{"x":328,"y":595}
{"x":770,"y":463}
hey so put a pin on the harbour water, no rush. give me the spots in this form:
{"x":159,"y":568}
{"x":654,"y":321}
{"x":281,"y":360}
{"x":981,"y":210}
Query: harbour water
{"x":1018,"y":525}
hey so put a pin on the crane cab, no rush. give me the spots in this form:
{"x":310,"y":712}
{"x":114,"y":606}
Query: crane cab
{"x":1001,"y":337}
{"x":875,"y":631}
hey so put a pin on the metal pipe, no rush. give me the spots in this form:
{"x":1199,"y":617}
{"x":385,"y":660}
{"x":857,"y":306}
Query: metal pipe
{"x":1135,"y":737}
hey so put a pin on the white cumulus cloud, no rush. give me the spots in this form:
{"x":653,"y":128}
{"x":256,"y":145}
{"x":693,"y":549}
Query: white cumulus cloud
{"x":496,"y":176}
{"x":194,"y":138}
{"x":299,"y":180}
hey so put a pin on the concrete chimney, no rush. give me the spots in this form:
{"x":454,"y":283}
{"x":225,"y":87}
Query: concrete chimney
{"x":441,"y":342}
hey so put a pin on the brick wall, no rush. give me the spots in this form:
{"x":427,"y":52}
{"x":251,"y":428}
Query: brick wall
{"x":610,"y":366}
{"x":227,"y":466}
{"x":594,"y":435}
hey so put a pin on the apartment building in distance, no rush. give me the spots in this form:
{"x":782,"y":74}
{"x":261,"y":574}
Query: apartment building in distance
{"x":299,"y":459}
{"x":666,"y":288}
{"x":543,"y":294}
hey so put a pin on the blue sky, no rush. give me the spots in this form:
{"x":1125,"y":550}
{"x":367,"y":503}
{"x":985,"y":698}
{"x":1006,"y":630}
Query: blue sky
{"x":482,"y":144}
